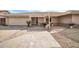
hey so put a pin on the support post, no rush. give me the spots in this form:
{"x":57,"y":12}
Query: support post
{"x":49,"y":21}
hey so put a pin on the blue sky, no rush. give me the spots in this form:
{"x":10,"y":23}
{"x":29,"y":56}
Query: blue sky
{"x":19,"y":11}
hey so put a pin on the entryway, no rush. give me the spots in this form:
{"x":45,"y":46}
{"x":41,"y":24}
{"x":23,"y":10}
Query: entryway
{"x":48,"y":19}
{"x":2,"y":21}
{"x":34,"y":20}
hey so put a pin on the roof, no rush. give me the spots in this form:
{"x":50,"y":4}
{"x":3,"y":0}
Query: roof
{"x":41,"y":14}
{"x":38,"y":14}
{"x":4,"y":11}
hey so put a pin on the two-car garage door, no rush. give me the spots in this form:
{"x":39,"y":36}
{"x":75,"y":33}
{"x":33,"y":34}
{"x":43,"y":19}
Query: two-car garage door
{"x":18,"y":21}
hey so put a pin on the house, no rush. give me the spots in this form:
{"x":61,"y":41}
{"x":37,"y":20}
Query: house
{"x":37,"y":18}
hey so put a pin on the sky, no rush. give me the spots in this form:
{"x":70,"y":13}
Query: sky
{"x":39,"y":5}
{"x":19,"y":11}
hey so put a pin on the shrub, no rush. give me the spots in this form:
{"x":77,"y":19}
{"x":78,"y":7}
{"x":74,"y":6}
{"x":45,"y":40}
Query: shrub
{"x":28,"y":23}
{"x":71,"y":24}
{"x":44,"y":24}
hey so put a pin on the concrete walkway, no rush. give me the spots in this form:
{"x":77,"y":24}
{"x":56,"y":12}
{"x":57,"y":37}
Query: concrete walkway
{"x":34,"y":39}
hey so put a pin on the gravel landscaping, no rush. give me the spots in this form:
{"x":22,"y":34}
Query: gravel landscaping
{"x":73,"y":34}
{"x":67,"y":38}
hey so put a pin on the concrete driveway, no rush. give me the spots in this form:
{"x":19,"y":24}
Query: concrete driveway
{"x":28,"y":39}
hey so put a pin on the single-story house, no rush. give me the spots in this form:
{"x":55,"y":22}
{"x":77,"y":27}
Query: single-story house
{"x":37,"y":18}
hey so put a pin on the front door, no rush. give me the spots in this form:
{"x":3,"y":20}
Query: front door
{"x":34,"y":20}
{"x":2,"y":21}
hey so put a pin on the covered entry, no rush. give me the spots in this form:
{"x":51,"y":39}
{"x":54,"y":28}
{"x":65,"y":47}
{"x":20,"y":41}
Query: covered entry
{"x":2,"y":20}
{"x":34,"y":20}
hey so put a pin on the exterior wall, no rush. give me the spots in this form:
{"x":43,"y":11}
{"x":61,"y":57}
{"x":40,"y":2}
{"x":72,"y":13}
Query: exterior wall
{"x":41,"y":20}
{"x":7,"y":21}
{"x":65,"y":19}
{"x":17,"y":21}
{"x":54,"y":20}
{"x":75,"y":19}
{"x":3,"y":13}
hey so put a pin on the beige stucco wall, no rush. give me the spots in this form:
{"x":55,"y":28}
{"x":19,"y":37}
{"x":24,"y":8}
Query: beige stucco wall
{"x":54,"y":20}
{"x":17,"y":20}
{"x":41,"y":20}
{"x":65,"y":19}
{"x":75,"y":19}
{"x":3,"y":13}
{"x":7,"y":21}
